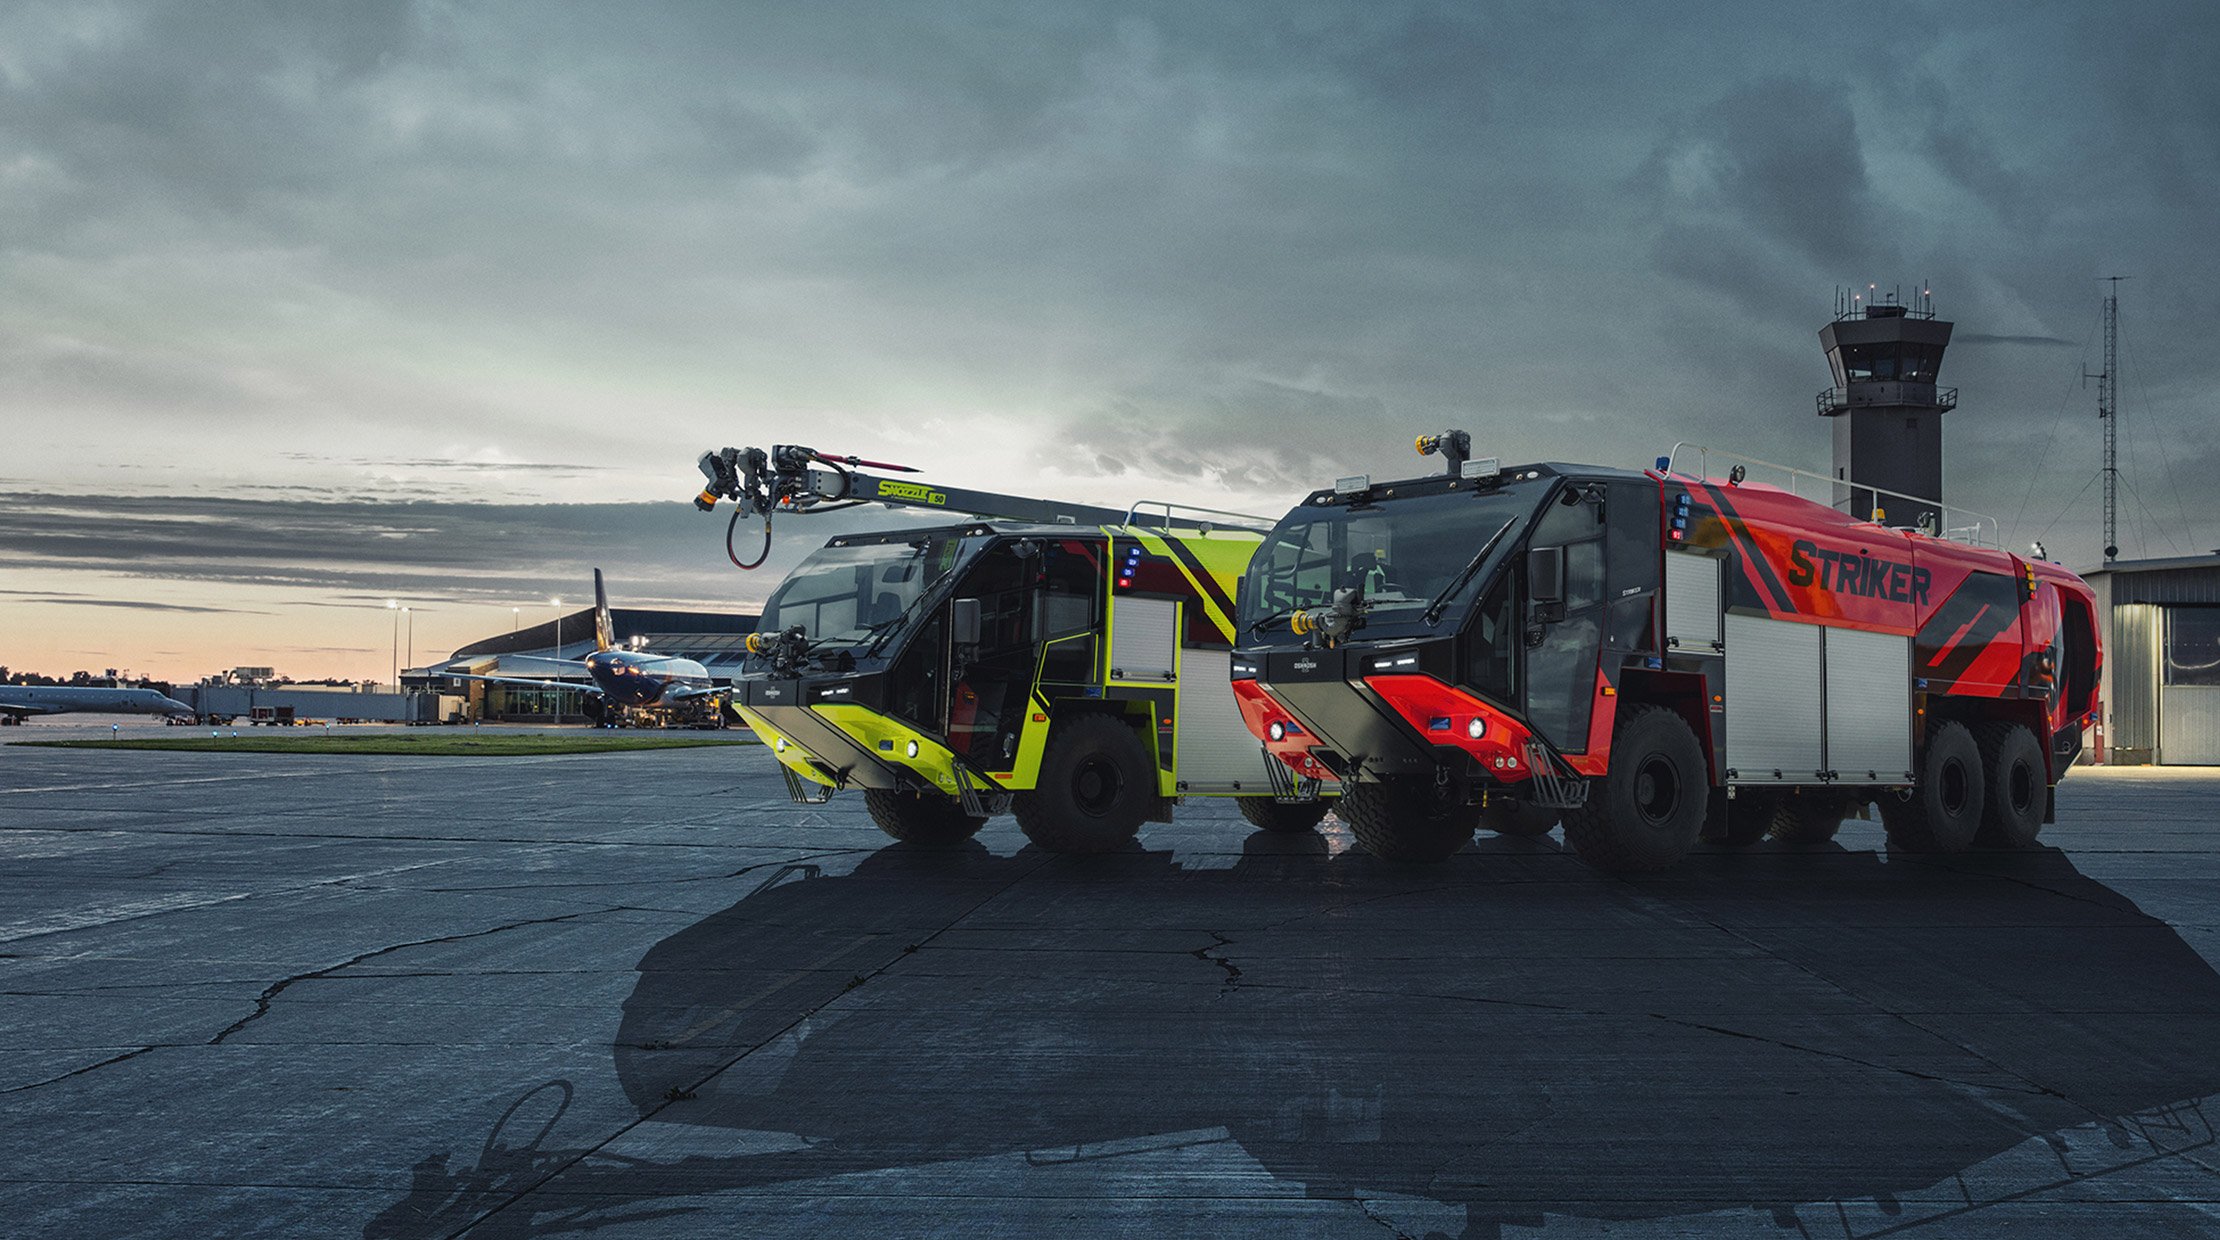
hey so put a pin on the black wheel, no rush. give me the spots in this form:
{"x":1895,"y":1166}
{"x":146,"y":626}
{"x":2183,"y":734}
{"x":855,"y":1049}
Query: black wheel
{"x":1510,"y":816}
{"x":1647,"y":813}
{"x":2017,"y":786}
{"x":1943,"y":814}
{"x":1286,"y":817}
{"x":1740,"y":821}
{"x":1097,"y":786}
{"x":1404,"y":820}
{"x":920,"y":818}
{"x":1808,"y":818}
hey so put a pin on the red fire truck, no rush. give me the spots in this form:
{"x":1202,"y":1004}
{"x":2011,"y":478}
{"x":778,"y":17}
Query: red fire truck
{"x":1657,"y":657}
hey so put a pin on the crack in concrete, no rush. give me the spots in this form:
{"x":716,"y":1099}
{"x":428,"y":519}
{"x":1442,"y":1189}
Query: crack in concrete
{"x":1936,"y":1078}
{"x":1233,"y":971}
{"x":668,"y":882}
{"x":693,"y":1089}
{"x":91,"y":1067}
{"x":270,"y":993}
{"x":2033,"y":1087}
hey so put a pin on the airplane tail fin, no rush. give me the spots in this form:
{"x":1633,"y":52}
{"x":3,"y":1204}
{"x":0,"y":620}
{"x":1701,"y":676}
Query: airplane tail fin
{"x":605,"y":629}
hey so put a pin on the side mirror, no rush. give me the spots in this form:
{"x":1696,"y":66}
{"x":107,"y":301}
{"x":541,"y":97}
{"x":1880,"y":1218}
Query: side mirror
{"x":1545,"y":574}
{"x":963,"y":621}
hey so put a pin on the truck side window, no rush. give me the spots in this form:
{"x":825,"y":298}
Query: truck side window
{"x":1071,"y":600}
{"x":1492,"y":667}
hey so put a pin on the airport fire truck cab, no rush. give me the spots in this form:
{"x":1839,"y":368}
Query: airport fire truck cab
{"x":1063,"y":663}
{"x":1657,"y":657}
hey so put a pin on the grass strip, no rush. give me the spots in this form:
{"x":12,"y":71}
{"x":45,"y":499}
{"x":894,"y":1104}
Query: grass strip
{"x":429,"y":746}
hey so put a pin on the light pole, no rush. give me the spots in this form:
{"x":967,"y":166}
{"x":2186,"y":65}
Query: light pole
{"x":394,"y":605}
{"x":412,"y":632}
{"x":515,"y":617}
{"x":557,"y":604}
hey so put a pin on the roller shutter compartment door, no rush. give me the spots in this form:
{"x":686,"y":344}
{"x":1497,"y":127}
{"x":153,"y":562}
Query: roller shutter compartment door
{"x":1775,"y":721}
{"x":1869,"y":706}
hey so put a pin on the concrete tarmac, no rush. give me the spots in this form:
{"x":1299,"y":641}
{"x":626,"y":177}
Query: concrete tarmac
{"x":642,"y":995}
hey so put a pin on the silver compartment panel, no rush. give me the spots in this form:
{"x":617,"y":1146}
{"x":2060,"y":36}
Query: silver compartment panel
{"x":1145,"y":639}
{"x":1692,"y":601}
{"x":1216,"y":751}
{"x":1869,"y":706}
{"x":1775,"y":713}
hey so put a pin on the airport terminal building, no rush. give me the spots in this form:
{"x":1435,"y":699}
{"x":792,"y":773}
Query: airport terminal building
{"x":715,"y":640}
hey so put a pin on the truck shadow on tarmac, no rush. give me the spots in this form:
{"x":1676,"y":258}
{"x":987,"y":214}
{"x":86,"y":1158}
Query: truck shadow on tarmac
{"x":1511,"y":1035}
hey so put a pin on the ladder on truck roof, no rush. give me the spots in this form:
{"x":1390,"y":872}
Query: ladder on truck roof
{"x":1958,"y":524}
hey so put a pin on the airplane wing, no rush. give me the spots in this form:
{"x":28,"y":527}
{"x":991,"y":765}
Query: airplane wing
{"x":585,"y":687}
{"x":524,"y":661}
{"x":22,"y":709}
{"x":682,"y":694}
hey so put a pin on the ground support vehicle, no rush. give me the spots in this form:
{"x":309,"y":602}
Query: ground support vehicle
{"x":1063,"y":663}
{"x":1656,"y":657}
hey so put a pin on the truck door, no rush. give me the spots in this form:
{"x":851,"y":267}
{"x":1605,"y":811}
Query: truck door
{"x":993,"y":684}
{"x":1563,"y":638}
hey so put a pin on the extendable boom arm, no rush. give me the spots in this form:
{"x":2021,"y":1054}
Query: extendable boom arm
{"x":787,"y":478}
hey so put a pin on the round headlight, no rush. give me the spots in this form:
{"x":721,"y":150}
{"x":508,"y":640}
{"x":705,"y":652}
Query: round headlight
{"x":779,"y":745}
{"x":910,"y":749}
{"x":1477,"y":728}
{"x":1278,"y":731}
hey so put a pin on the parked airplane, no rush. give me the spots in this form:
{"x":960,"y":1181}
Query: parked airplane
{"x":619,"y":676}
{"x":18,"y":702}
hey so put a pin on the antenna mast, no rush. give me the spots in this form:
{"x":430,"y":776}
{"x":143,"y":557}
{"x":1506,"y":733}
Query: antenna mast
{"x":2108,"y":412}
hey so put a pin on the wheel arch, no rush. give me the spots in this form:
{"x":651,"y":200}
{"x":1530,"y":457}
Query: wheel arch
{"x":1685,"y":694}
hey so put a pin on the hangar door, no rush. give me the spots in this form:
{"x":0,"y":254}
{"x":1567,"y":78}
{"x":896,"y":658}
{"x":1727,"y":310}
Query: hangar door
{"x":2189,"y":688}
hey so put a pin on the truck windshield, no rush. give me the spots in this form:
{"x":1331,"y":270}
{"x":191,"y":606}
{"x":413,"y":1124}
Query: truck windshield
{"x":1402,"y":553}
{"x":846,"y":596}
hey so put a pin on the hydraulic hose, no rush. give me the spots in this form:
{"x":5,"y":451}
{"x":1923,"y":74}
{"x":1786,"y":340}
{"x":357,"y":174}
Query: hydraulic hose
{"x":732,"y":526}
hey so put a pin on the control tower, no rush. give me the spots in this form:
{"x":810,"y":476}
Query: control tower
{"x":1886,"y":407}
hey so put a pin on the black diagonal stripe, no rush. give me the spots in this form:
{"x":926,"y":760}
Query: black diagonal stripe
{"x":1204,"y":579}
{"x":1985,"y":606}
{"x":1752,"y":554}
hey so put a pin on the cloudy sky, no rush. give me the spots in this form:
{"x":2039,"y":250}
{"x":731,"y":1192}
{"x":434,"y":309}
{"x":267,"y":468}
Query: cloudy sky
{"x":309,"y":305}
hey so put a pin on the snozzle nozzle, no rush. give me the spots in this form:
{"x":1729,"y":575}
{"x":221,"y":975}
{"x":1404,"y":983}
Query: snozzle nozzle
{"x":1329,"y":624}
{"x":1455,"y":448}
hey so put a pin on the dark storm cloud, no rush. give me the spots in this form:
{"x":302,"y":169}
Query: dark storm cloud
{"x":1962,"y":338}
{"x":65,"y":600}
{"x":1200,"y":247}
{"x":357,"y":555}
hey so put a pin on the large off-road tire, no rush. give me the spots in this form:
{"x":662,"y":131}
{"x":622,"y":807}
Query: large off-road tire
{"x":1511,"y":816}
{"x":1648,"y":812}
{"x":1943,"y":814}
{"x":1403,"y":819}
{"x":2017,"y":785}
{"x":920,"y":818}
{"x":1740,"y":821}
{"x":1808,"y":818}
{"x":1285,"y":817}
{"x":1097,"y":787}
